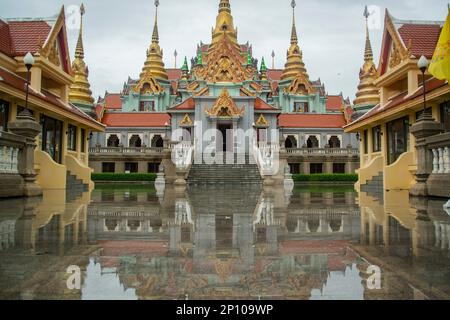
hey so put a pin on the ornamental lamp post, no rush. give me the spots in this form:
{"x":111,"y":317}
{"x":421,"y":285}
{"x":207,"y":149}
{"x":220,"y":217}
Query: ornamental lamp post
{"x":29,"y":62}
{"x":423,"y":66}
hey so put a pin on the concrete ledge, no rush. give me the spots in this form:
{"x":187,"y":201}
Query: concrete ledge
{"x":438,"y":185}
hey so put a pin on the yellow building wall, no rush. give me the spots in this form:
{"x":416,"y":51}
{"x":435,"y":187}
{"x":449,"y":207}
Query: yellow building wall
{"x":398,"y":175}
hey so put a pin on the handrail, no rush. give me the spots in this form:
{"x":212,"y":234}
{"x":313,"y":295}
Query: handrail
{"x":323,"y":151}
{"x":125,"y":150}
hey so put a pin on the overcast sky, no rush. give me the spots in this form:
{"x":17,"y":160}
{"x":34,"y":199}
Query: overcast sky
{"x":331,"y":33}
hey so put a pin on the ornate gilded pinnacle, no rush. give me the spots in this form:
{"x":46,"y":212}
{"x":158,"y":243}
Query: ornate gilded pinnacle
{"x":155,"y":36}
{"x":294,"y":38}
{"x":368,"y":53}
{"x":79,"y":51}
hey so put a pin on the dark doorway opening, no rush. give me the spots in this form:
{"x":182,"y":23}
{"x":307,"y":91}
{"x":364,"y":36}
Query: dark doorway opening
{"x":225,"y":130}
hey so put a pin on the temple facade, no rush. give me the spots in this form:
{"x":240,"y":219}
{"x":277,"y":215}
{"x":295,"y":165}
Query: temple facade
{"x":224,"y":102}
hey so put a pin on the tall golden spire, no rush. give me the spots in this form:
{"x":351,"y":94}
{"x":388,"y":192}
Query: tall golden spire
{"x":224,"y":25}
{"x":294,"y":66}
{"x":80,"y":90}
{"x":154,"y":64}
{"x":368,"y":93}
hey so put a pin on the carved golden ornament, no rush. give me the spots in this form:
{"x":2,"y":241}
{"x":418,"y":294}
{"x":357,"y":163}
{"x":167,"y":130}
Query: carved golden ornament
{"x":262,"y":122}
{"x":225,"y":64}
{"x":300,"y":86}
{"x":187,"y":121}
{"x":395,"y":58}
{"x":225,"y":107}
{"x":53,"y":55}
{"x":148,"y":85}
{"x":193,"y":86}
{"x":247,"y":93}
{"x":255,"y":86}
{"x":202,"y":92}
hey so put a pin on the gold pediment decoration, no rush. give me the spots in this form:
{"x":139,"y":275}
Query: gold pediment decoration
{"x":202,"y":92}
{"x":187,"y":121}
{"x":247,"y":93}
{"x":395,"y":59}
{"x":54,"y":56}
{"x":225,"y":107}
{"x":224,"y":64}
{"x":300,"y":86}
{"x":193,"y":86}
{"x":262,"y":122}
{"x":148,"y":85}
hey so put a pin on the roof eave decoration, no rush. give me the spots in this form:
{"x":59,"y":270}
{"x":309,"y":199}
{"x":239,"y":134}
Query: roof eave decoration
{"x":225,"y":107}
{"x":187,"y":121}
{"x":262,"y":122}
{"x":300,"y":86}
{"x":148,"y":85}
{"x":224,"y":65}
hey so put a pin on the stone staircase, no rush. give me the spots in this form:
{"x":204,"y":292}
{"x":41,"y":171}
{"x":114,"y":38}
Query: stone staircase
{"x":224,"y":174}
{"x":74,"y":187}
{"x":374,"y":187}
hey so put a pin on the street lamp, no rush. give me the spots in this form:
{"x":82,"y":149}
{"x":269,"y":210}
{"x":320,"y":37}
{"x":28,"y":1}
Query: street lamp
{"x":423,"y":66}
{"x":29,"y":61}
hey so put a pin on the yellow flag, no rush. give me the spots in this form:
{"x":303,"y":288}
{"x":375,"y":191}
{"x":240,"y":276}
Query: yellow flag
{"x":440,"y":64}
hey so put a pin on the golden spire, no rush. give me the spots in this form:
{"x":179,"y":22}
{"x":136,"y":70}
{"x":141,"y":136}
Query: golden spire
{"x":294,"y":66}
{"x":154,"y":64}
{"x":80,"y":90}
{"x":224,"y":25}
{"x":368,"y":93}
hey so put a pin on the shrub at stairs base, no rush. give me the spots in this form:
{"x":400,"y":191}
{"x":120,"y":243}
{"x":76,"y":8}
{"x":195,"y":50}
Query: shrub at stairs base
{"x":124,"y":177}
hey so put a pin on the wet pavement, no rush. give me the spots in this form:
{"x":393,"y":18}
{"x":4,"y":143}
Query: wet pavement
{"x":131,"y":242}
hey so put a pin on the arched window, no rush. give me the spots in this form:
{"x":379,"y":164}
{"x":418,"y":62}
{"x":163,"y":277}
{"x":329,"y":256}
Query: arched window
{"x":113,"y":141}
{"x":157,"y":142}
{"x":313,"y":224}
{"x":335,"y":224}
{"x":291,"y":142}
{"x":312,"y":142}
{"x":135,"y":141}
{"x":334,"y":142}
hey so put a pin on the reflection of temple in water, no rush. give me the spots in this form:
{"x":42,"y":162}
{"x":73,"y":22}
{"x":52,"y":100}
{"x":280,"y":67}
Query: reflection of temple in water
{"x":410,"y":239}
{"x":216,"y":242}
{"x":224,"y":243}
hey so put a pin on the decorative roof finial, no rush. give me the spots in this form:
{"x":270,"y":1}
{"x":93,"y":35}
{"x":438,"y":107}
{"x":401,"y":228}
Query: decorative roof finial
{"x":175,"y":54}
{"x":294,"y":38}
{"x":368,"y":53}
{"x":273,"y":59}
{"x":79,"y":51}
{"x":155,"y":37}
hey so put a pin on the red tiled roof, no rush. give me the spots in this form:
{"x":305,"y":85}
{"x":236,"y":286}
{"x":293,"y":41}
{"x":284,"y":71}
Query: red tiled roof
{"x":260,"y":104}
{"x":27,"y":36}
{"x":311,"y":121}
{"x":334,"y":103}
{"x":5,"y":38}
{"x":174,"y":74}
{"x":401,"y":98}
{"x":19,"y":83}
{"x":188,"y":104}
{"x":113,"y":101}
{"x":141,"y":120}
{"x":423,"y":37}
{"x":274,"y":74}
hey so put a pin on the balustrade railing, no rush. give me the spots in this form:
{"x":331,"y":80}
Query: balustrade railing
{"x":124,"y":150}
{"x":322,"y":151}
{"x":440,"y":146}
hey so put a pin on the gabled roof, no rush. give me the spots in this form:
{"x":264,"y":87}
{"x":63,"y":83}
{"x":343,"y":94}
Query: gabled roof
{"x":335,"y":103}
{"x":274,"y":74}
{"x":188,"y":104}
{"x":174,"y":74}
{"x":136,"y":120}
{"x":260,"y":105}
{"x":28,"y":36}
{"x":400,"y":99}
{"x":311,"y":121}
{"x":5,"y":38}
{"x":416,"y":38}
{"x":112,"y":101}
{"x":16,"y":82}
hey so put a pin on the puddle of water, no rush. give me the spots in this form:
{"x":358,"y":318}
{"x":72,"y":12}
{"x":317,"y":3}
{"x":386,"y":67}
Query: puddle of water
{"x":223,"y":243}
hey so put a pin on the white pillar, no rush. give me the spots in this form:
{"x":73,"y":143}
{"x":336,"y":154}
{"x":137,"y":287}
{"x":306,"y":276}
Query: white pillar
{"x":441,"y":160}
{"x":447,"y":160}
{"x":435,"y":161}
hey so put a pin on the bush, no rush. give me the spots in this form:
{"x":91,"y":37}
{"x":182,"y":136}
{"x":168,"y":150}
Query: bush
{"x":124,"y":177}
{"x":325,"y":177}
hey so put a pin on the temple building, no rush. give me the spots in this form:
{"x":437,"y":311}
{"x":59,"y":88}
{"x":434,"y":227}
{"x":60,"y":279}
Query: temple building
{"x":405,"y":141}
{"x":44,"y":138}
{"x":223,"y":94}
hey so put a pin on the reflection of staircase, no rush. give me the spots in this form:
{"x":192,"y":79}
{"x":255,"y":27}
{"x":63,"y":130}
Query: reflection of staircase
{"x":374,"y":187}
{"x":74,"y":187}
{"x":202,"y":174}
